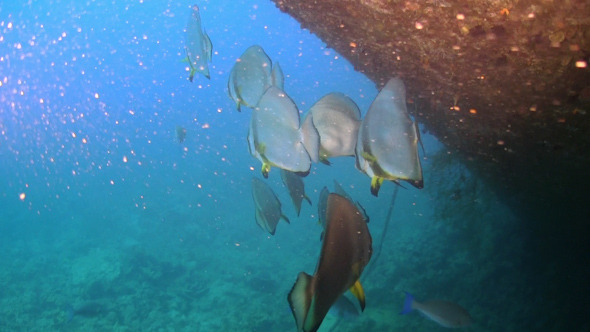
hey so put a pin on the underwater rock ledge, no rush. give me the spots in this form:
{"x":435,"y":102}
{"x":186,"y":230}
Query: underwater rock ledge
{"x":501,"y":82}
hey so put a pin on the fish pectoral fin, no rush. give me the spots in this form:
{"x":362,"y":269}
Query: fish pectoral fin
{"x":300,"y":299}
{"x":265,"y":170}
{"x":192,"y":74}
{"x":376,"y":182}
{"x":324,"y":160}
{"x":261,"y":148}
{"x":307,"y":199}
{"x":241,"y":100}
{"x":359,"y":293}
{"x":186,"y":59}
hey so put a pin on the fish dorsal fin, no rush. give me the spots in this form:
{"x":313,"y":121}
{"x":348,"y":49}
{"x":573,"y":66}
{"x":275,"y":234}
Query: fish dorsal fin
{"x":417,"y":129}
{"x":277,"y":77}
{"x":310,"y":138}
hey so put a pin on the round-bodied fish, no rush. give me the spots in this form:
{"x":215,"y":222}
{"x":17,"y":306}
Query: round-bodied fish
{"x":268,"y":211}
{"x":274,"y":136}
{"x":336,"y":118}
{"x":198,"y":46}
{"x":346,"y":250}
{"x":294,"y":184}
{"x":252,"y":74}
{"x":387,"y":145}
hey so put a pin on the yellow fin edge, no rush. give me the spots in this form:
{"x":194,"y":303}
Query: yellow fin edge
{"x":359,"y":293}
{"x":376,"y":182}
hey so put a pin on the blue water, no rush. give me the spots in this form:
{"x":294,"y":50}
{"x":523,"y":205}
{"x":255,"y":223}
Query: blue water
{"x":103,"y":211}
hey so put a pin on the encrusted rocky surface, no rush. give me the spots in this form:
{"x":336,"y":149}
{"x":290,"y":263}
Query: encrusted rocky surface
{"x":505,"y":84}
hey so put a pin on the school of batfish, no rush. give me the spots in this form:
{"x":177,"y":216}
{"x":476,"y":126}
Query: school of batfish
{"x":384,"y":144}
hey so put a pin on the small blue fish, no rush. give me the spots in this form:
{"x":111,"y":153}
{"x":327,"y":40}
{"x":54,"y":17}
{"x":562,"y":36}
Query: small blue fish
{"x":445,"y":313}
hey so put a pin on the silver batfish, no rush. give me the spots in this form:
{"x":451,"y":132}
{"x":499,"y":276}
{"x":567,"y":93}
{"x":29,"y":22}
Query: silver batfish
{"x":336,"y":118}
{"x":198,"y":46}
{"x":387,"y":145}
{"x":294,"y":184}
{"x":268,"y":207}
{"x":274,"y":135}
{"x":252,"y":74}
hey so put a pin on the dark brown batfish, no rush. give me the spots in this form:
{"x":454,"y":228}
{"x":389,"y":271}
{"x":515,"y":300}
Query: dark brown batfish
{"x":346,"y":250}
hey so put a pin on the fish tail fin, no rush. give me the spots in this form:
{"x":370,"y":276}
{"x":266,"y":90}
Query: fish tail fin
{"x":359,"y":293}
{"x":277,"y":77}
{"x":408,"y":302}
{"x":300,"y":299}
